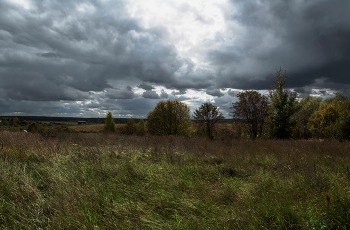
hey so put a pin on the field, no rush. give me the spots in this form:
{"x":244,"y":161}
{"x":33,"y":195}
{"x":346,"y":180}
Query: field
{"x":105,"y":181}
{"x":87,"y":128}
{"x":91,"y":128}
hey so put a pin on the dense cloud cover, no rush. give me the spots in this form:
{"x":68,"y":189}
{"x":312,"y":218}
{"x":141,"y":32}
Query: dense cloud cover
{"x":87,"y":57}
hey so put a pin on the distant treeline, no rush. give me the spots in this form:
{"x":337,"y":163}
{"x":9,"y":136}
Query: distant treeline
{"x":71,"y":119}
{"x":88,"y":120}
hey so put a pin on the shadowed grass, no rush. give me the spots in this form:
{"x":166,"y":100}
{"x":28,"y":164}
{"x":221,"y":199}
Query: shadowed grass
{"x":97,"y":181}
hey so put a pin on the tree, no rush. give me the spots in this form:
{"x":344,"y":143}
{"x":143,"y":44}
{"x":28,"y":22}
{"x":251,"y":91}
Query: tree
{"x":331,"y":120}
{"x":207,"y":116}
{"x":305,"y":109}
{"x":251,"y":108}
{"x":169,"y":118}
{"x":109,"y":123}
{"x":281,"y":109}
{"x":343,"y":125}
{"x":130,"y":127}
{"x":141,"y":130}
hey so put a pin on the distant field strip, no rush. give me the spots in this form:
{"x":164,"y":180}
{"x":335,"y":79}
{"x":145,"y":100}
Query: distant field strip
{"x":90,"y":128}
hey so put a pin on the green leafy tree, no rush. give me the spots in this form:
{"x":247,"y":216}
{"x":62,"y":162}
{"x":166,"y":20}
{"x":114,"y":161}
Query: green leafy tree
{"x":169,"y":118}
{"x":282,"y":107}
{"x":130,"y":127}
{"x":343,"y":125}
{"x":206,"y":117}
{"x":141,"y":129}
{"x":251,"y":108}
{"x":305,"y":109}
{"x":109,"y":123}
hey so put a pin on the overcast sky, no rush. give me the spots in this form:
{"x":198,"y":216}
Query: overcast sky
{"x":86,"y":57}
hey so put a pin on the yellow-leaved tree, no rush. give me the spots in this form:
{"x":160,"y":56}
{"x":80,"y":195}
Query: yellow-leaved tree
{"x":323,"y":123}
{"x":169,"y":118}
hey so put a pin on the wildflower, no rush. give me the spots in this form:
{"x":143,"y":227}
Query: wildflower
{"x":133,"y":159}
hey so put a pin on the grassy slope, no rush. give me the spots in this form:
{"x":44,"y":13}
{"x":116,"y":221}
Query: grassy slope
{"x":108,"y":181}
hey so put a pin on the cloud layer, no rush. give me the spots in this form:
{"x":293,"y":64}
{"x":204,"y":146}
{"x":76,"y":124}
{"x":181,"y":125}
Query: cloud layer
{"x":83,"y":58}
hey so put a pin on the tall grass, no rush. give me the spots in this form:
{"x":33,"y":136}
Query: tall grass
{"x":101,"y":181}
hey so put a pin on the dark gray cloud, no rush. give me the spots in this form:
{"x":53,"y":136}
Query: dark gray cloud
{"x":232,"y":93}
{"x":79,"y":47}
{"x":180,"y":92}
{"x":150,"y":94}
{"x":145,"y":86}
{"x":47,"y":108}
{"x":52,"y":52}
{"x":214,"y":92}
{"x":310,"y":39}
{"x":164,"y":95}
{"x":120,"y":94}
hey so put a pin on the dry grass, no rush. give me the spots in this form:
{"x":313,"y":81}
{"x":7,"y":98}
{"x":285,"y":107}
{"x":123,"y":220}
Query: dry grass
{"x":94,"y":180}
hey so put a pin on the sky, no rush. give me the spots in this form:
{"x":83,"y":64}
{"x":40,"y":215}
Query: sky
{"x":83,"y":58}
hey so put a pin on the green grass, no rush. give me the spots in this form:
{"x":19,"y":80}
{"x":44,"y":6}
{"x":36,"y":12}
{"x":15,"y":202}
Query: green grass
{"x":97,"y":181}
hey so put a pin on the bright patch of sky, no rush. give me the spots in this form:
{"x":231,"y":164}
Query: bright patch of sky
{"x":189,"y":23}
{"x":86,"y":8}
{"x":23,"y":3}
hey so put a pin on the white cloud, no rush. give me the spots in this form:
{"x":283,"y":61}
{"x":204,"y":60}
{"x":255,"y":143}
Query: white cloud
{"x":189,"y":23}
{"x":26,"y":4}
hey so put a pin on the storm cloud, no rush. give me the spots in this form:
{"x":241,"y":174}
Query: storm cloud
{"x":83,"y":58}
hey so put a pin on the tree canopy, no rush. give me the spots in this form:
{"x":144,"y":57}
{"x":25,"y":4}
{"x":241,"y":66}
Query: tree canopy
{"x":331,"y":120}
{"x":169,"y":118}
{"x":252,"y":110}
{"x":306,"y":107}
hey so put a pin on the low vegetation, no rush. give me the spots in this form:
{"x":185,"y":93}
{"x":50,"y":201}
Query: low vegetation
{"x":108,"y":181}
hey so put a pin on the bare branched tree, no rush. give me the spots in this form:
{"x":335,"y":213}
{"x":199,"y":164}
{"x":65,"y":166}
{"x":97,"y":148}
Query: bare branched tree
{"x":207,"y":116}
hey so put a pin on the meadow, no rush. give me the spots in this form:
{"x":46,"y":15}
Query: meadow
{"x":92,"y":128}
{"x":111,"y":181}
